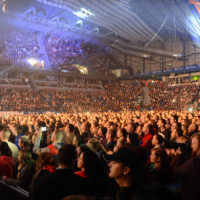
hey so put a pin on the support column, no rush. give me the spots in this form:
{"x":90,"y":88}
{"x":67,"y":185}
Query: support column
{"x":184,"y":58}
{"x":143,"y":65}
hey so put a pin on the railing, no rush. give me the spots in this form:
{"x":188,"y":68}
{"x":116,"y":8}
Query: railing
{"x":182,"y":84}
{"x":10,"y":192}
{"x":51,"y":88}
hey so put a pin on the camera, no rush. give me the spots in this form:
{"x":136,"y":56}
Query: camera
{"x":44,"y":129}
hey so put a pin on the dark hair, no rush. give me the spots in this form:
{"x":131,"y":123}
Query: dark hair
{"x":103,"y":130}
{"x":163,"y":121}
{"x":58,"y":124}
{"x":180,"y":132}
{"x":134,"y":139}
{"x":92,"y":164}
{"x":160,"y":139}
{"x":5,"y":149}
{"x":110,"y":123}
{"x":133,"y":125}
{"x":164,"y":159}
{"x":24,"y":129}
{"x":113,"y":133}
{"x":71,"y":128}
{"x":162,"y":171}
{"x":67,"y":155}
{"x":52,"y":126}
{"x":1,"y":127}
{"x":175,"y":118}
{"x":41,"y":124}
{"x":76,"y":131}
{"x":87,"y":126}
{"x":123,"y":131}
{"x":151,"y":130}
{"x":19,"y":130}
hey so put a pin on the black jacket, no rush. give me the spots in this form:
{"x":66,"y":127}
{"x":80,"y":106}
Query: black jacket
{"x":141,"y":191}
{"x":61,"y":183}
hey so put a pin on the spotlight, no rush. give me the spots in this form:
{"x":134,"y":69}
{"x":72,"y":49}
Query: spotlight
{"x":83,"y":13}
{"x":32,"y":61}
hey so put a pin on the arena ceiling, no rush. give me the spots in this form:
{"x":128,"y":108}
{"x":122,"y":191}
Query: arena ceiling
{"x":132,"y":20}
{"x":138,"y":22}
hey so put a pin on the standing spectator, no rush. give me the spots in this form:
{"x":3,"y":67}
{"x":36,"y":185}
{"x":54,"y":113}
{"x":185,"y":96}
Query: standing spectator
{"x":26,"y":169}
{"x":189,"y":172}
{"x":17,"y":132}
{"x":44,"y":166}
{"x":57,"y":143}
{"x":6,"y":161}
{"x":110,"y":138}
{"x":162,"y":129}
{"x":148,"y":134}
{"x":4,"y":137}
{"x":63,"y":181}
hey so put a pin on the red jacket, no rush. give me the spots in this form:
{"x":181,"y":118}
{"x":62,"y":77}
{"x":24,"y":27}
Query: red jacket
{"x":146,"y":141}
{"x":6,"y":166}
{"x":52,"y":149}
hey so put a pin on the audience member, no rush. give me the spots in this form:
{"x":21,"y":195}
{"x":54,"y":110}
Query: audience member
{"x":6,"y":161}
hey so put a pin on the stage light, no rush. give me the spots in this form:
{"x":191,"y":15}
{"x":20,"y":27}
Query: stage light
{"x":83,"y":13}
{"x":193,"y":26}
{"x":32,"y":61}
{"x":37,"y":64}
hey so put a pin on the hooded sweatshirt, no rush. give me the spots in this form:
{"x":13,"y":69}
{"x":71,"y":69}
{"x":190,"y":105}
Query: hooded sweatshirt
{"x":6,"y":166}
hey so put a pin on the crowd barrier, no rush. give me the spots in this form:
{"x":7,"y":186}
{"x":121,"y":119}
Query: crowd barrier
{"x":9,"y":192}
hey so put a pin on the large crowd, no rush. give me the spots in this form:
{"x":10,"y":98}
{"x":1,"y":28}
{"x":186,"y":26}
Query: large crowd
{"x":18,"y":99}
{"x":17,"y":46}
{"x":18,"y":95}
{"x":124,"y":94}
{"x":95,"y":141}
{"x":62,"y":52}
{"x":166,"y":97}
{"x":101,"y":144}
{"x":97,"y":57}
{"x":118,"y":155}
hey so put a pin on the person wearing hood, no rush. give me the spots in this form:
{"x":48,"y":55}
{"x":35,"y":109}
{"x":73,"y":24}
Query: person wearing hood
{"x":6,"y":160}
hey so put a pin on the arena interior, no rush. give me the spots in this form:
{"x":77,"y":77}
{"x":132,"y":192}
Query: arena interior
{"x":100,"y":99}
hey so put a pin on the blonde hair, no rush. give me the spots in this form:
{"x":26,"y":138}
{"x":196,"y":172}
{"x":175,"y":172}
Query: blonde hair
{"x":25,"y":157}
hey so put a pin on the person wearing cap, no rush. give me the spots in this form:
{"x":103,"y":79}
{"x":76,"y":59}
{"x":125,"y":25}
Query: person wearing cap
{"x":128,"y":172}
{"x":124,"y":169}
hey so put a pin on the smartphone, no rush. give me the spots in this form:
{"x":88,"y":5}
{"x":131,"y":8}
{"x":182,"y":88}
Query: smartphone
{"x":44,"y":128}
